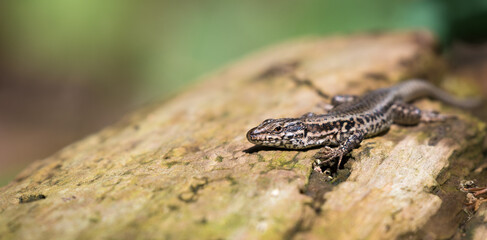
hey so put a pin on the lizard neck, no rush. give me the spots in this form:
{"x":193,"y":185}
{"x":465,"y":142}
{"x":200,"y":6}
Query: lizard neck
{"x":322,"y":130}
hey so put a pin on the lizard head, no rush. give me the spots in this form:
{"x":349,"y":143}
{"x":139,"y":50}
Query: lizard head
{"x":282,"y":133}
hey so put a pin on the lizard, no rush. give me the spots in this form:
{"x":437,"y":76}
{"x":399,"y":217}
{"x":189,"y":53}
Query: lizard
{"x":353,"y":118}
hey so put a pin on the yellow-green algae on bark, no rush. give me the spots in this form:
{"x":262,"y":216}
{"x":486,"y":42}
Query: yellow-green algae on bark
{"x":391,"y":189}
{"x":183,"y":169}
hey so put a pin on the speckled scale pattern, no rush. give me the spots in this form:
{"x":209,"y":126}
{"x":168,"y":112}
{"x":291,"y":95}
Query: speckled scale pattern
{"x":352,"y":119}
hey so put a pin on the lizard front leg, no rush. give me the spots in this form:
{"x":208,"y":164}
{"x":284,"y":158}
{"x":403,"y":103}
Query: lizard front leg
{"x":336,"y":101}
{"x":348,"y":144}
{"x":341,"y":99}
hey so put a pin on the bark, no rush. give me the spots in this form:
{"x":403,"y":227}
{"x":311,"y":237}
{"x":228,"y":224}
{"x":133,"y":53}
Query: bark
{"x":183,"y":169}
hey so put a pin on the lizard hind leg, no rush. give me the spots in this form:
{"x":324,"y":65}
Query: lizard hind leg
{"x":406,"y":114}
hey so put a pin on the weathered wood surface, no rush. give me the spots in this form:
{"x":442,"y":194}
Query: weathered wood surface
{"x":183,"y":169}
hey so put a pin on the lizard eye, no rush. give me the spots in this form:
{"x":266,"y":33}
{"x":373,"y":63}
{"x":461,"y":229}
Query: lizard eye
{"x":278,"y":129}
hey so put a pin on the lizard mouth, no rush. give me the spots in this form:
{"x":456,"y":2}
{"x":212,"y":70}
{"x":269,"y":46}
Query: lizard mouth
{"x":252,"y":136}
{"x":258,"y":138}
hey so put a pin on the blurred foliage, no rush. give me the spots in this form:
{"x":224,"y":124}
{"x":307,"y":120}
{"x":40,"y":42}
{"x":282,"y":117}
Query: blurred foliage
{"x":158,"y":46}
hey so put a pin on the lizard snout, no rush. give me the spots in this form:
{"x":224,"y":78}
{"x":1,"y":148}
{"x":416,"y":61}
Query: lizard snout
{"x":251,"y":135}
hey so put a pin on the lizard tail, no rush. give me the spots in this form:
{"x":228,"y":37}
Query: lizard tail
{"x":414,"y":89}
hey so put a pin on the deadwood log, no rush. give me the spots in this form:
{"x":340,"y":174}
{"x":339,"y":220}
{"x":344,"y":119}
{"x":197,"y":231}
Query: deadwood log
{"x":183,"y":169}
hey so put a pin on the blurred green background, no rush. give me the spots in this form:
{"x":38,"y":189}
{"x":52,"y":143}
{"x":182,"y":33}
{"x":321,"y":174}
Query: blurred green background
{"x":70,"y":67}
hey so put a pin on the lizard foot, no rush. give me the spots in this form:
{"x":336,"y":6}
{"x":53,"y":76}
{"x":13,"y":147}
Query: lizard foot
{"x":327,"y":154}
{"x":434,"y":116}
{"x":475,"y":195}
{"x":476,"y":190}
